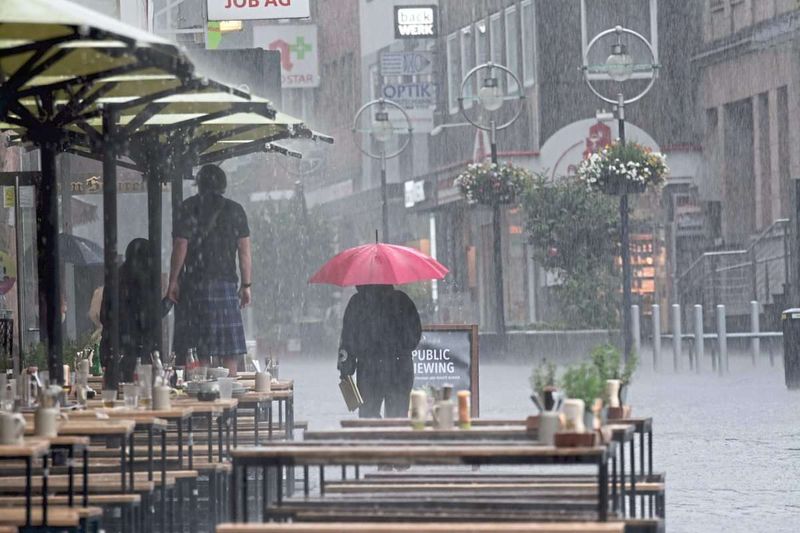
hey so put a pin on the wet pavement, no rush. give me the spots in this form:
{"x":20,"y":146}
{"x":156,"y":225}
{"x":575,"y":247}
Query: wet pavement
{"x":730,"y":446}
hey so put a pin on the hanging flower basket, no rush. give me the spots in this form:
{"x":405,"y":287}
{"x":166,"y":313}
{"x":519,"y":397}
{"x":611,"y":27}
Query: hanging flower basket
{"x":623,"y":169}
{"x":490,"y":184}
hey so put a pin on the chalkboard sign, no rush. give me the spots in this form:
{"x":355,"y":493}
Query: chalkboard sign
{"x":448,"y":354}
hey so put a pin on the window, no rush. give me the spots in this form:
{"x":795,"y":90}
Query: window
{"x":512,"y":38}
{"x":481,"y":42}
{"x":528,"y":44}
{"x":467,"y":63}
{"x":496,"y":36}
{"x":453,"y":72}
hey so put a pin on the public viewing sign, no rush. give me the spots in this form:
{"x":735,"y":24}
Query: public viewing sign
{"x":448,"y":355}
{"x":416,"y":22}
{"x":258,"y":9}
{"x":297,"y":44}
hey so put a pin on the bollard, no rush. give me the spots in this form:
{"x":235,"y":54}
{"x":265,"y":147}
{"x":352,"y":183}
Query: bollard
{"x":755,"y":342}
{"x":677,"y":336}
{"x":636,"y":330}
{"x":699,"y":341}
{"x":656,"y":336}
{"x":791,"y":347}
{"x":722,"y":341}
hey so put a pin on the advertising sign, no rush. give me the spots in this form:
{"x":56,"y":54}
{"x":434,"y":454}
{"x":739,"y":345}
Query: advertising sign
{"x":415,"y":22}
{"x":406,"y":63}
{"x":448,"y":355}
{"x":298,"y":47}
{"x":257,"y":9}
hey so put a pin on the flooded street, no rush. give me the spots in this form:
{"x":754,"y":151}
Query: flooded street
{"x":730,"y":446}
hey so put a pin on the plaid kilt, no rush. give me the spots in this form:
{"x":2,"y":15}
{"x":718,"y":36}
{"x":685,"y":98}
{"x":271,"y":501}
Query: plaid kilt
{"x":208,"y":318}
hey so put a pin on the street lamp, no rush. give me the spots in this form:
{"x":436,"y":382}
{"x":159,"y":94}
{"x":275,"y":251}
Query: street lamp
{"x":492,"y":97}
{"x":619,"y":67}
{"x":382,"y":130}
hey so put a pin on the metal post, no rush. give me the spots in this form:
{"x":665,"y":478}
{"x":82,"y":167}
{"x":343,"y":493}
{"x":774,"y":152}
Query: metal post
{"x":497,"y":230}
{"x":755,"y":342}
{"x":384,"y":200}
{"x":625,"y":246}
{"x":637,"y":329}
{"x":722,"y":339}
{"x":154,"y":225}
{"x":50,"y":290}
{"x":656,"y":336}
{"x":20,"y":279}
{"x":699,"y":341}
{"x":111,"y":290}
{"x":677,"y":337}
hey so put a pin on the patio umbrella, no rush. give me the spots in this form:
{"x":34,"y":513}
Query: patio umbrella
{"x":379,"y":264}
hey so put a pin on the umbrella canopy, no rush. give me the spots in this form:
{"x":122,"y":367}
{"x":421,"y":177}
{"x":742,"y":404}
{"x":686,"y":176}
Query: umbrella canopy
{"x":379,"y":264}
{"x":79,"y":251}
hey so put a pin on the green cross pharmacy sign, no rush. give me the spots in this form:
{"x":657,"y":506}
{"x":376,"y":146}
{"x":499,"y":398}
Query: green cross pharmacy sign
{"x":297,"y":44}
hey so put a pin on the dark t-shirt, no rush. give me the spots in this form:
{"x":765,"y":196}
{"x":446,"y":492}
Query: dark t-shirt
{"x":213,"y":226}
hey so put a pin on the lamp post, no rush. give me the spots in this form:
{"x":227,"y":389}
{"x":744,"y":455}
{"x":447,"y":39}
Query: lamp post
{"x":492,"y":97}
{"x":619,"y":67}
{"x":382,"y":130}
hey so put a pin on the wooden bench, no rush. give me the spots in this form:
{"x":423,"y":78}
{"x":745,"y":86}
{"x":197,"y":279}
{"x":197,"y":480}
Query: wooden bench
{"x":63,"y":517}
{"x":448,"y":527}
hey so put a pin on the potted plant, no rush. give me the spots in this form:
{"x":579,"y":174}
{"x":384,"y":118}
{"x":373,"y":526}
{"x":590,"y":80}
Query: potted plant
{"x":623,"y":168}
{"x":491,"y":184}
{"x":607,"y":359}
{"x":543,"y":385}
{"x":583,"y":382}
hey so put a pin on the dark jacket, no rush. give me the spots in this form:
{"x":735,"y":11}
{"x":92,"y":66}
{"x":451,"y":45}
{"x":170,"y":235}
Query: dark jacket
{"x":380,"y":323}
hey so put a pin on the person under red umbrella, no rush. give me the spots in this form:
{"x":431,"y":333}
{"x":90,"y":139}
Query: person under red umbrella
{"x":381,"y":325}
{"x":380,"y":329}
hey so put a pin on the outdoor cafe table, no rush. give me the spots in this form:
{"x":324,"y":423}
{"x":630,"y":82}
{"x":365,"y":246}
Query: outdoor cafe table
{"x":346,"y":453}
{"x":123,"y":429}
{"x":29,"y":450}
{"x":222,"y":410}
{"x":259,"y":401}
{"x":619,"y":433}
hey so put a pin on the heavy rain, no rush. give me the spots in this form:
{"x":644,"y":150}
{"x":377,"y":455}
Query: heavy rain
{"x":399,"y":265}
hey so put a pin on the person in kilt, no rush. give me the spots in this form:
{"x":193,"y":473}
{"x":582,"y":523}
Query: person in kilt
{"x":210,"y":232}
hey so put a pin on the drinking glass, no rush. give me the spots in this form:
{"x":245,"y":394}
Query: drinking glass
{"x":109,"y":397}
{"x":130,"y":392}
{"x":225,"y":388}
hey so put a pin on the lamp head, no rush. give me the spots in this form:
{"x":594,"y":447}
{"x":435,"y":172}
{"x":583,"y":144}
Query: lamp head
{"x":620,"y":63}
{"x":490,"y":95}
{"x":383,"y":130}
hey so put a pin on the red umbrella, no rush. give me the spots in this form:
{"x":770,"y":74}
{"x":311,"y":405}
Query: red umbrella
{"x":379,"y":264}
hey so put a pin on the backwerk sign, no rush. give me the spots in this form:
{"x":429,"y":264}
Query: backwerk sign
{"x":448,"y":355}
{"x":416,"y":22}
{"x":257,"y":9}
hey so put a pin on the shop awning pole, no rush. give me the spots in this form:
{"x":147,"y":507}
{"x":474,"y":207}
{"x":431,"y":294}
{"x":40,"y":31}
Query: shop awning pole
{"x":50,"y":294}
{"x":111,"y":291}
{"x":154,"y":226}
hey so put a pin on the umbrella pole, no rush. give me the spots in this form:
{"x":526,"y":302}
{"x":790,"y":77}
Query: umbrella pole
{"x":50,"y":290}
{"x":111,"y":290}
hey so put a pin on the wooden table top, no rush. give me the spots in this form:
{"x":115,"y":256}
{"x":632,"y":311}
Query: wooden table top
{"x":143,"y":419}
{"x":427,"y":527}
{"x":202,"y":407}
{"x":404,"y":422}
{"x":253,"y":397}
{"x":427,"y":434}
{"x":350,"y":453}
{"x":29,"y":447}
{"x":92,"y":427}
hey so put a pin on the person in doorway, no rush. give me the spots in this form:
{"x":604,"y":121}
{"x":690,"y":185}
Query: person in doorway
{"x":210,"y":232}
{"x":380,"y":329}
{"x":133,"y":288}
